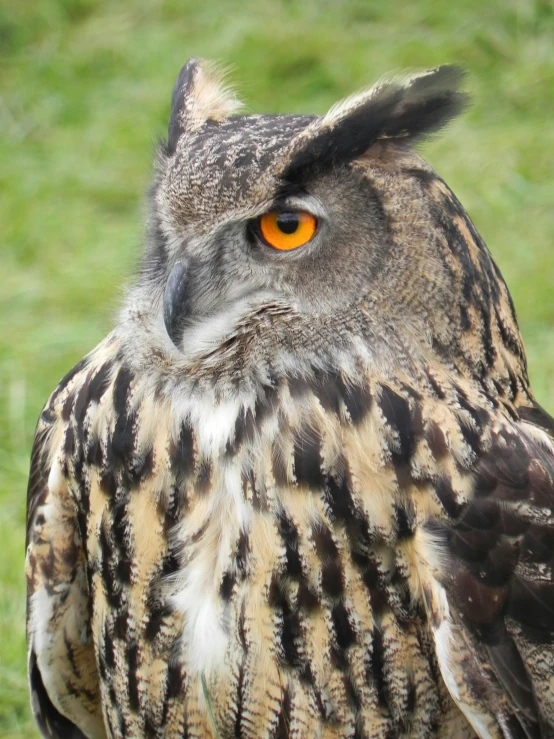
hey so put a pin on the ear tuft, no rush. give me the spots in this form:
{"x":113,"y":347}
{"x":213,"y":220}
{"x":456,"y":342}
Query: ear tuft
{"x":213,"y":97}
{"x":200,"y":94}
{"x":427,"y":102}
{"x":404,"y":109}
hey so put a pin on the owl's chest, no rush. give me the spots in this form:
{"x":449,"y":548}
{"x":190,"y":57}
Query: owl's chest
{"x":267,"y":554}
{"x":295,"y":549}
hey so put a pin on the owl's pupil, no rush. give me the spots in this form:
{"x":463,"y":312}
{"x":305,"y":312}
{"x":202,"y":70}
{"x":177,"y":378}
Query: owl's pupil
{"x":287,"y":222}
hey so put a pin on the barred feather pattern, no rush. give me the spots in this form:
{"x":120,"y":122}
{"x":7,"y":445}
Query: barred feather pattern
{"x":290,"y":549}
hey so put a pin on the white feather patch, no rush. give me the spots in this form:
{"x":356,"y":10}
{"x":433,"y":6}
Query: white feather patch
{"x":447,"y":642}
{"x":226,"y":514}
{"x":213,"y":423}
{"x":40,"y":614}
{"x":203,"y":635}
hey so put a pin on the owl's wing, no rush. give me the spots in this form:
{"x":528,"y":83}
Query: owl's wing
{"x":62,"y":672}
{"x":492,"y":607}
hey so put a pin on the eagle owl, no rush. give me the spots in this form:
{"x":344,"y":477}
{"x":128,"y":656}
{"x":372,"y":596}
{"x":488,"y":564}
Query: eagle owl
{"x":303,"y":488}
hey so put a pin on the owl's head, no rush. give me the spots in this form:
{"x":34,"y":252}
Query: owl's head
{"x":332,"y":224}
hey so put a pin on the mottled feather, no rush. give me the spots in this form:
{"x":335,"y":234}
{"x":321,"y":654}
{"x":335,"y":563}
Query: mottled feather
{"x":306,"y":494}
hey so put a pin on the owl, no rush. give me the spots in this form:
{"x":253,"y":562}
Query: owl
{"x":303,"y":488}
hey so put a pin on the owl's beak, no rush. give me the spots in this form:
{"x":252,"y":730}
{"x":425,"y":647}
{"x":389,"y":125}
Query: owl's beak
{"x":176,"y":303}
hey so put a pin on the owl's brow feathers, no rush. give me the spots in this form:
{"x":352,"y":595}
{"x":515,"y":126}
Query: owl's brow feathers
{"x":402,"y":108}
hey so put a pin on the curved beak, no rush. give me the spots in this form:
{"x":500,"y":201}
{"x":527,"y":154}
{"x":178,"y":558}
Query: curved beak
{"x":176,"y":301}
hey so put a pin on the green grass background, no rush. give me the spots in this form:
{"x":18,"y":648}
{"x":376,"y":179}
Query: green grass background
{"x":84,"y":95}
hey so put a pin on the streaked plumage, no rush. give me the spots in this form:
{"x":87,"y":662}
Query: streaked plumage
{"x":302,"y":494}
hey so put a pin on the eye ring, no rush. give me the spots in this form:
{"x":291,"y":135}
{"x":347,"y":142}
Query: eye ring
{"x":286,"y":230}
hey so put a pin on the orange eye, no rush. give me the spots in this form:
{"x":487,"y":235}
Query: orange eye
{"x":287,"y":229}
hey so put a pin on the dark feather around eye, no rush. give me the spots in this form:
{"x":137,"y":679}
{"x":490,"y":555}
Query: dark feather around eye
{"x":253,"y":234}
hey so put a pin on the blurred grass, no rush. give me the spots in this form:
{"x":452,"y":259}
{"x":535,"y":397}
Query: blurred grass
{"x":84,"y":94}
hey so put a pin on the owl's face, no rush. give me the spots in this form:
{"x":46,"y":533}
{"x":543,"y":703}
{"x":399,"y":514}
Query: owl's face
{"x":334,"y":219}
{"x":316,"y":243}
